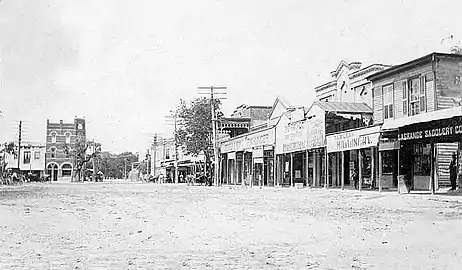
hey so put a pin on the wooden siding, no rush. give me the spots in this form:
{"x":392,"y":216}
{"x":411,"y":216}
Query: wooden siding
{"x":430,"y":93}
{"x":444,"y":156}
{"x":448,"y":72}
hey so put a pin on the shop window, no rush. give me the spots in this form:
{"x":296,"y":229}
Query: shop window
{"x":388,"y":162}
{"x":26,"y":157}
{"x":388,"y":101}
{"x":422,"y":159}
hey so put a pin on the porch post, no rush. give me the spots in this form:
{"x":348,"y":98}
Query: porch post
{"x":380,"y":170}
{"x":360,"y":169}
{"x":275,"y":166}
{"x":372,"y":164}
{"x":399,"y":166}
{"x":252,"y":170}
{"x":307,"y":165}
{"x":343,"y":171}
{"x":315,"y":169}
{"x":432,"y":160}
{"x":291,"y":168}
{"x":326,"y":169}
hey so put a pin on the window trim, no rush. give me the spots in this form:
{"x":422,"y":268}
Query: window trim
{"x":388,"y":107}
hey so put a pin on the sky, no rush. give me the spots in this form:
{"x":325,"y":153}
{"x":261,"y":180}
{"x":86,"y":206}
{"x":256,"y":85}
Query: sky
{"x":123,"y":65}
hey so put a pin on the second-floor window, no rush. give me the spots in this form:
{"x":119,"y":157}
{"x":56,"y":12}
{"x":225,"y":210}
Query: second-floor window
{"x":416,"y":96}
{"x":53,"y":152}
{"x":26,"y":157}
{"x":53,"y":137}
{"x":388,"y":101}
{"x":36,"y":155}
{"x":68,"y":138}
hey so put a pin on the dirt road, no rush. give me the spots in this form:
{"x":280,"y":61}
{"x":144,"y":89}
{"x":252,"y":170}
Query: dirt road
{"x":149,"y":226}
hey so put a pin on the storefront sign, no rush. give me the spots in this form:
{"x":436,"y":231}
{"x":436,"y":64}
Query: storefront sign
{"x":261,"y":138}
{"x":295,"y":137}
{"x":232,"y":155}
{"x":257,"y":152}
{"x":350,"y":140}
{"x":437,"y":130}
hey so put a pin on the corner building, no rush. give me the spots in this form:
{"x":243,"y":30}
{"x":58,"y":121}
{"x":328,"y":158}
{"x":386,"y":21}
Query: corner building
{"x":59,"y":165}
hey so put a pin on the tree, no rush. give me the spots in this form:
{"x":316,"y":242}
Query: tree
{"x":80,"y":155}
{"x":195,"y":134}
{"x":6,"y":149}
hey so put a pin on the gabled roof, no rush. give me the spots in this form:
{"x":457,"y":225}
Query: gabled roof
{"x":343,"y":107}
{"x":284,"y":103}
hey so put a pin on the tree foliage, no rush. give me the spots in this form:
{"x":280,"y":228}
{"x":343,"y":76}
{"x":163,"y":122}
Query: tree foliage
{"x":81,"y":155}
{"x":113,"y":165}
{"x":195,"y":133}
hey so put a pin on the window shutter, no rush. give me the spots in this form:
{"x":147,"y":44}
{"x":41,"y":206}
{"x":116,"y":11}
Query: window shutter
{"x":405,"y":103}
{"x":423,"y":107}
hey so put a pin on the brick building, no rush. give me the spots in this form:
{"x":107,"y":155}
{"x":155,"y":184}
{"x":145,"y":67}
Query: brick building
{"x":59,"y":165}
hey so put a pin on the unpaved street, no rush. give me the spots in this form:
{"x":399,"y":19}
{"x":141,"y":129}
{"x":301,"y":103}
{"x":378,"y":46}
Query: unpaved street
{"x":148,"y":226}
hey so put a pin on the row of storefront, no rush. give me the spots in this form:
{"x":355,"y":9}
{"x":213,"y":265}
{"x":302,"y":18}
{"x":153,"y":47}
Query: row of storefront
{"x":312,"y":152}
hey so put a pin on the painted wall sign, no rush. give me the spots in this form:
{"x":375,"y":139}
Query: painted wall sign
{"x":316,"y":132}
{"x":295,"y":137}
{"x":265,"y":137}
{"x":435,"y":130}
{"x":356,"y":139}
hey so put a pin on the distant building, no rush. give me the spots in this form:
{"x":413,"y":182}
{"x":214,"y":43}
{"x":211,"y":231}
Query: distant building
{"x":349,"y":83}
{"x":31,"y":159}
{"x":59,"y":164}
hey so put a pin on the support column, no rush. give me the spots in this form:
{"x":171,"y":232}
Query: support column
{"x":326,"y":169}
{"x":380,"y":170}
{"x":315,"y":169}
{"x":399,"y":165}
{"x":243,"y":171}
{"x":252,"y":170}
{"x":291,"y":169}
{"x":342,"y":183}
{"x":307,"y":167}
{"x":432,"y":178}
{"x":360,"y":169}
{"x":372,"y":164}
{"x":275,"y":166}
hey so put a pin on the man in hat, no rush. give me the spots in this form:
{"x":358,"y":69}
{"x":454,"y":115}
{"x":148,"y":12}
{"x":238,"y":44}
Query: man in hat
{"x":453,"y":171}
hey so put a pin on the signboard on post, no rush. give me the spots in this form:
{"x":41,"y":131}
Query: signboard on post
{"x":351,"y":140}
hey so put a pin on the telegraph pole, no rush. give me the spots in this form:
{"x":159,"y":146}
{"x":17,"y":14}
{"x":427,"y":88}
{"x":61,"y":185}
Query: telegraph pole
{"x":174,"y":117}
{"x":216,"y":158}
{"x":19,"y":144}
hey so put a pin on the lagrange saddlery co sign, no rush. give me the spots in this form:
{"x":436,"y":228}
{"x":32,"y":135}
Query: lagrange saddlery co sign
{"x":262,"y":138}
{"x":444,"y":131}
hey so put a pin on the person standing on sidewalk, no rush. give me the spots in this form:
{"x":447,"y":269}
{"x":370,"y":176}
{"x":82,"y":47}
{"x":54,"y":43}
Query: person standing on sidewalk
{"x":453,"y":172}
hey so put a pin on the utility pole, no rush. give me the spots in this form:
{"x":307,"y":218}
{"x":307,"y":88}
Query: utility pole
{"x":19,"y":144}
{"x":153,"y":156}
{"x":174,"y":117}
{"x":216,"y":158}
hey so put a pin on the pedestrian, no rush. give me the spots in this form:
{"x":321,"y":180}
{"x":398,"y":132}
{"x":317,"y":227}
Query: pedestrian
{"x":453,"y":171}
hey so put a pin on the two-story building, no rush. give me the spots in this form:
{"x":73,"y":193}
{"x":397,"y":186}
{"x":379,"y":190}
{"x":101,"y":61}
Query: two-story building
{"x":31,"y":159}
{"x":418,"y":103}
{"x":60,"y":164}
